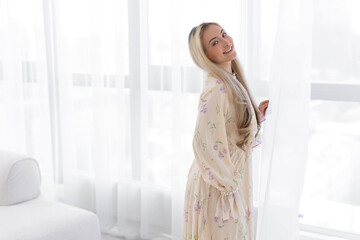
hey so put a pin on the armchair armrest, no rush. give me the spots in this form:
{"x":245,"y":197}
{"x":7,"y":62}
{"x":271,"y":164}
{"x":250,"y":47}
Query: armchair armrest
{"x":20,"y":178}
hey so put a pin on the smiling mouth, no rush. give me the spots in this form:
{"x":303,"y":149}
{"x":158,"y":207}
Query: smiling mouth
{"x":229,"y":50}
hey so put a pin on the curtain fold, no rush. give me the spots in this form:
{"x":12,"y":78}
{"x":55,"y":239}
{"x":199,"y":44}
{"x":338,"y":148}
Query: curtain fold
{"x":285,"y":139}
{"x":24,"y":107}
{"x":104,"y":94}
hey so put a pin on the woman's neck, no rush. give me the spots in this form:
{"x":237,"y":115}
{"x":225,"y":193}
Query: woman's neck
{"x":227,"y":67}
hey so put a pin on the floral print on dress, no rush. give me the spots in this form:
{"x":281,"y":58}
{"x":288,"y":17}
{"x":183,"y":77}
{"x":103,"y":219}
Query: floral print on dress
{"x":218,"y":194}
{"x":203,"y":107}
{"x":209,"y":173}
{"x":222,"y":89}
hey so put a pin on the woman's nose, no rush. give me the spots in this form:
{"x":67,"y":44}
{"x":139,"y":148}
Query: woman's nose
{"x":226,"y":43}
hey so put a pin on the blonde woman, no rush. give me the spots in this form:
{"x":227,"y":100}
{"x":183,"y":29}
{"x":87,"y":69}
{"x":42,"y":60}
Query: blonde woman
{"x":218,"y":197}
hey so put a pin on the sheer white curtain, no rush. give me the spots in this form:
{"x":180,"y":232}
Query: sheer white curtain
{"x":104,"y":95}
{"x":25,"y":110}
{"x":330,"y":203}
{"x":285,"y":138}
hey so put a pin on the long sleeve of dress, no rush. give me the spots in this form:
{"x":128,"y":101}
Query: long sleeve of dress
{"x":211,"y":150}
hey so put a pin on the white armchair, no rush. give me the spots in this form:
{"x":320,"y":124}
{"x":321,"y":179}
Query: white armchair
{"x":25,"y":216}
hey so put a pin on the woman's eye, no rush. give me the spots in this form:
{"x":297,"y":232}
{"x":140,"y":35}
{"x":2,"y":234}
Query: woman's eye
{"x":214,"y":43}
{"x":224,"y":33}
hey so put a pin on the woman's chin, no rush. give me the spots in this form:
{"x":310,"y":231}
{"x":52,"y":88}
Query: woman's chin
{"x":234,"y":54}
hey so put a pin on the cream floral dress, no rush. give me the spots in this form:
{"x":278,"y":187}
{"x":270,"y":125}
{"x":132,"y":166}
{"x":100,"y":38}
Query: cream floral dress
{"x":218,"y":198}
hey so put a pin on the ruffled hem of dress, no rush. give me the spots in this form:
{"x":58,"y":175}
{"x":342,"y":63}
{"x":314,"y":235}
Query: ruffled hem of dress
{"x":257,"y":141}
{"x":230,"y":206}
{"x":261,"y":117}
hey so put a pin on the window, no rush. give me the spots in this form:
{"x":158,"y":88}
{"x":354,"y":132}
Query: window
{"x":330,"y":203}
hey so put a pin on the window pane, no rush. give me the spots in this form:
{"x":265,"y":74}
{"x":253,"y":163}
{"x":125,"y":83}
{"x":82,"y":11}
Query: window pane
{"x":336,"y":37}
{"x":169,"y":29}
{"x":161,"y":130}
{"x":331,"y":198}
{"x":98,"y":37}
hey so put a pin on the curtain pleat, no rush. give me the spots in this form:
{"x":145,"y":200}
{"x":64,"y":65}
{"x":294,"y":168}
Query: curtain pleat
{"x":285,"y":142}
{"x":104,"y":95}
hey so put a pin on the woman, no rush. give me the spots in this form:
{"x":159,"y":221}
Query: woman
{"x":218,"y":197}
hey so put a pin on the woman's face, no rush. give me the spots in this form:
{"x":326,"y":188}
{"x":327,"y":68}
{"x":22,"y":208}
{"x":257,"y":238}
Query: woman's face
{"x":219,"y":46}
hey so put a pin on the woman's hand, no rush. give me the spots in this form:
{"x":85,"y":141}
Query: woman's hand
{"x":263,"y":106}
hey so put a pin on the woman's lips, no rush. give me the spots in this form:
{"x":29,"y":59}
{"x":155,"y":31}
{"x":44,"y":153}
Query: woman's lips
{"x":232,"y":49}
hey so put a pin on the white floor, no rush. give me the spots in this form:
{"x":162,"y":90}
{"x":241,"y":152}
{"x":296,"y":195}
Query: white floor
{"x":108,"y":237}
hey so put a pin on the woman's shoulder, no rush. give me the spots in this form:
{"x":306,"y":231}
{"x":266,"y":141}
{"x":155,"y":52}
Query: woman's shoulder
{"x":210,"y":78}
{"x":213,"y":83}
{"x":214,"y":90}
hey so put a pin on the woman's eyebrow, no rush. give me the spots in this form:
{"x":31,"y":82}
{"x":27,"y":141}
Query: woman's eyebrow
{"x":216,"y":37}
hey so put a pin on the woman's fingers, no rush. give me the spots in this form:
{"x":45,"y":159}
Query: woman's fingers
{"x":263,"y":106}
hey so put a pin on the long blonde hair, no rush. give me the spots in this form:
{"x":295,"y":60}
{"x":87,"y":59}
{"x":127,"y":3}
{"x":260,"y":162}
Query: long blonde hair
{"x":237,"y":95}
